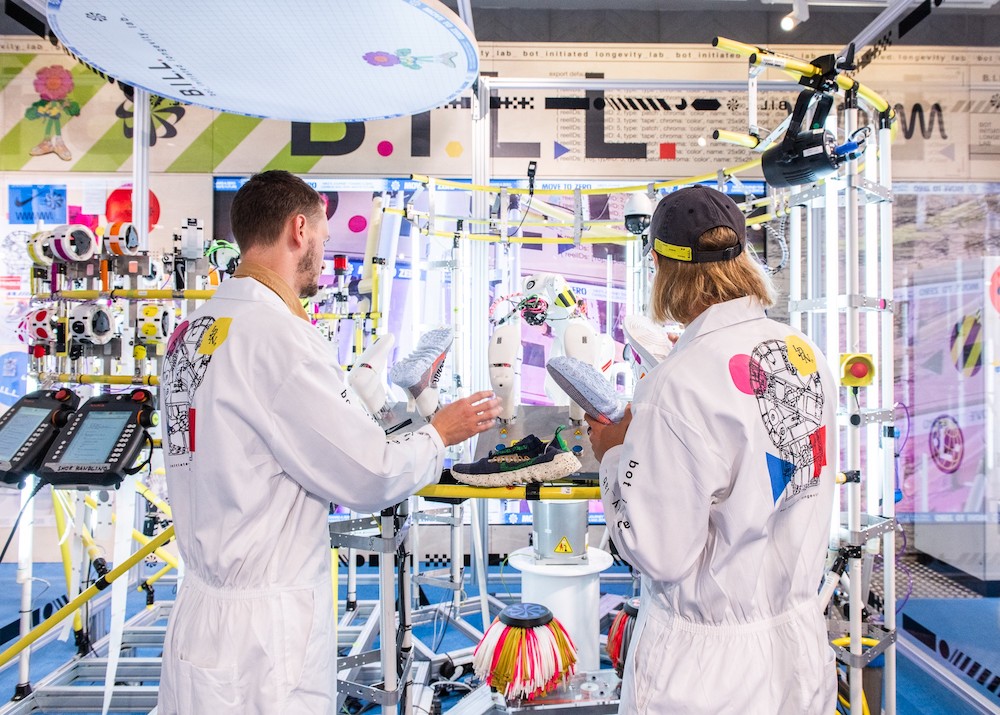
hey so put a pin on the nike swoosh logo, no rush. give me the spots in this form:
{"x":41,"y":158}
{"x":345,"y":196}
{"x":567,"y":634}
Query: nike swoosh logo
{"x":28,"y":200}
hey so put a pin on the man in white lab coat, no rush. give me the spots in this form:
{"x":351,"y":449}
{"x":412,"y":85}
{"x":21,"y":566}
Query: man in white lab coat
{"x":718,"y":485}
{"x":261,"y":436}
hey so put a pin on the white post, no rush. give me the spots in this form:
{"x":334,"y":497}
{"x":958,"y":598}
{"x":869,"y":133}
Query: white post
{"x":141,"y":123}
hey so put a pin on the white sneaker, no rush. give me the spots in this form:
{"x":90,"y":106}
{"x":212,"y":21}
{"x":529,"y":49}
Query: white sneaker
{"x":419,"y":372}
{"x":648,"y":344}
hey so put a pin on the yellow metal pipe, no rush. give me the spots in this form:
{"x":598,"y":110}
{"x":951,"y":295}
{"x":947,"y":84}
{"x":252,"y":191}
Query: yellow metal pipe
{"x":346,"y":316}
{"x":64,"y":551}
{"x":155,"y":577}
{"x":600,"y":190}
{"x":759,"y":56}
{"x":465,"y":492}
{"x":136,"y":535}
{"x":739,"y":48}
{"x":73,"y":377}
{"x":101,"y":584}
{"x":747,"y":140}
{"x":146,"y":493}
{"x":127,"y":295}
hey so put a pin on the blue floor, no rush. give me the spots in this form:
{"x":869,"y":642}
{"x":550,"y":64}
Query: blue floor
{"x":970,"y":626}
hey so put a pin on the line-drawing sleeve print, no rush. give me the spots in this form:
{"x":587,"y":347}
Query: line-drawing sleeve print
{"x":184,"y":370}
{"x":791,"y":407}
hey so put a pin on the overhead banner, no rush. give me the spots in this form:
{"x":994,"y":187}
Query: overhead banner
{"x":56,"y":116}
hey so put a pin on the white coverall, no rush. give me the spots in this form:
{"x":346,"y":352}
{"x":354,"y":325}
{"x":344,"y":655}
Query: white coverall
{"x":714,"y":498}
{"x":261,"y":435}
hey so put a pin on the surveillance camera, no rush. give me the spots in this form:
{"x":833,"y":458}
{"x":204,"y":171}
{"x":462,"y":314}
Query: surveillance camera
{"x":638,"y":210}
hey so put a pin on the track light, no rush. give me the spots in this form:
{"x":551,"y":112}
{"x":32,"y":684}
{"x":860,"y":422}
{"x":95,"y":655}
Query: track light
{"x":799,"y":14}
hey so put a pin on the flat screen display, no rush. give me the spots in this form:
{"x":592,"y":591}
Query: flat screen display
{"x":19,"y":428}
{"x":94,"y":438}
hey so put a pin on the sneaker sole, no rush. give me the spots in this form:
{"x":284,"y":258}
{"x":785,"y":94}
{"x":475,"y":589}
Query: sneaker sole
{"x":415,"y":375}
{"x":559,"y":467}
{"x":646,"y":358}
{"x":587,"y":388}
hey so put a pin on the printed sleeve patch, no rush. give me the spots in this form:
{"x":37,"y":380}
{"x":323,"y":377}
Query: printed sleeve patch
{"x":791,"y":409}
{"x":184,"y":370}
{"x":818,"y":442}
{"x":781,"y":473}
{"x":801,"y":355}
{"x":746,"y":374}
{"x":214,"y":336}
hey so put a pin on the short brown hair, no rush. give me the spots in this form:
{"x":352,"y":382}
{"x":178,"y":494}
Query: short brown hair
{"x":265,"y":203}
{"x":681,"y":291}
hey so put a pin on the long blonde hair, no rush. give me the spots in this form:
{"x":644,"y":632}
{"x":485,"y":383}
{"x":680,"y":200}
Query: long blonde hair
{"x":681,"y":291}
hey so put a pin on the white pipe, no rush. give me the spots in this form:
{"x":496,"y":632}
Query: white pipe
{"x":887,"y":386}
{"x":141,"y":120}
{"x":25,"y":547}
{"x":853,"y":450}
{"x":553,"y":84}
{"x":457,"y":554}
{"x":387,"y":614}
{"x":481,"y":559}
{"x":794,"y":238}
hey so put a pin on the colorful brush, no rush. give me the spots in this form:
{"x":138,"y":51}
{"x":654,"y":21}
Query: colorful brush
{"x":525,"y":652}
{"x":620,"y":634}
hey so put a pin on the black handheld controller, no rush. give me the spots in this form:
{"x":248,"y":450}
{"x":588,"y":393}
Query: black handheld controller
{"x":101,"y":442}
{"x":28,"y":428}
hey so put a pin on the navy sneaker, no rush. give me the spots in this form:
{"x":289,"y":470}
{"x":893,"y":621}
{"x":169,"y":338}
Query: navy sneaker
{"x":529,"y":460}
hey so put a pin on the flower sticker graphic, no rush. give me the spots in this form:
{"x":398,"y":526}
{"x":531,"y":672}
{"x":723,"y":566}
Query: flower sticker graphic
{"x":381,"y":59}
{"x":163,"y":116}
{"x":53,"y":84}
{"x":406,"y":58}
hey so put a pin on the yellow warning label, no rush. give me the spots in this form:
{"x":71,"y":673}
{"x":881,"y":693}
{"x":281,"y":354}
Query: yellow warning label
{"x":214,"y":336}
{"x":563,"y":546}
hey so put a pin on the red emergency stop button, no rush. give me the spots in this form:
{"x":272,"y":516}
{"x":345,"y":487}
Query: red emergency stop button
{"x":859,"y":369}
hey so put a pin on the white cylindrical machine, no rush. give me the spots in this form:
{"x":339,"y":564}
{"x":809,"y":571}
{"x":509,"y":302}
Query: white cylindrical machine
{"x":572,"y":593}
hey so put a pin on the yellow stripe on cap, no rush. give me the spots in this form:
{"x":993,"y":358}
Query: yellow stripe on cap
{"x":669,"y":250}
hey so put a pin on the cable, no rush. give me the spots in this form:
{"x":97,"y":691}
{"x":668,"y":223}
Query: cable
{"x":502,"y":564}
{"x":149,"y":457}
{"x":897,"y":453}
{"x":13,"y":529}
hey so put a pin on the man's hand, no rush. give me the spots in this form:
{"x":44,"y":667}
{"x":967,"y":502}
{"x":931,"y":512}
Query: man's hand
{"x":461,"y":419}
{"x":603,"y":437}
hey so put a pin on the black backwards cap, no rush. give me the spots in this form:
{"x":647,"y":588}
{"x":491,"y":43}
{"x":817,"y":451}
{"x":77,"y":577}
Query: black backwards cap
{"x":684,"y":215}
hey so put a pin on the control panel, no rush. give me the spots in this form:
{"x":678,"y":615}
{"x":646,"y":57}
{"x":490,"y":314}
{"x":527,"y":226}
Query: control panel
{"x":28,"y":428}
{"x":101,"y":442}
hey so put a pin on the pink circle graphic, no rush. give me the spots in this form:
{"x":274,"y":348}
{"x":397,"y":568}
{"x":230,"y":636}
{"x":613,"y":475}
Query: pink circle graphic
{"x":739,"y":370}
{"x":385,"y":148}
{"x":995,"y":289}
{"x":357,"y":224}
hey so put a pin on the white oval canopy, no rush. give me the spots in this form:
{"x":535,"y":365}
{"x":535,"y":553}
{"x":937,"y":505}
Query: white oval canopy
{"x":305,"y":61}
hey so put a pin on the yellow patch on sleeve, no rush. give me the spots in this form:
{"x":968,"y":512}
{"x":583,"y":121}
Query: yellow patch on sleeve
{"x":214,"y":336}
{"x":801,"y":355}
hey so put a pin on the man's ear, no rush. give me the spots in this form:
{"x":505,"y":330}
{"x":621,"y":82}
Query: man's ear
{"x":297,"y":231}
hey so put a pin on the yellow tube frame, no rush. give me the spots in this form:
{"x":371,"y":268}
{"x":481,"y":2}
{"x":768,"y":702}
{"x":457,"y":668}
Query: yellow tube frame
{"x":101,"y":584}
{"x":83,"y":379}
{"x":64,"y":551}
{"x":467,"y":492}
{"x":127,"y":295}
{"x":761,"y":56}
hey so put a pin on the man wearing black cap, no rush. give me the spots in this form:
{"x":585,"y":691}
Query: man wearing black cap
{"x":718,"y":484}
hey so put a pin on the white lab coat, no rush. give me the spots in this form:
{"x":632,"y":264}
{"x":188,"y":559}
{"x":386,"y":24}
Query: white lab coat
{"x":731,"y":557}
{"x":276,"y":438}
